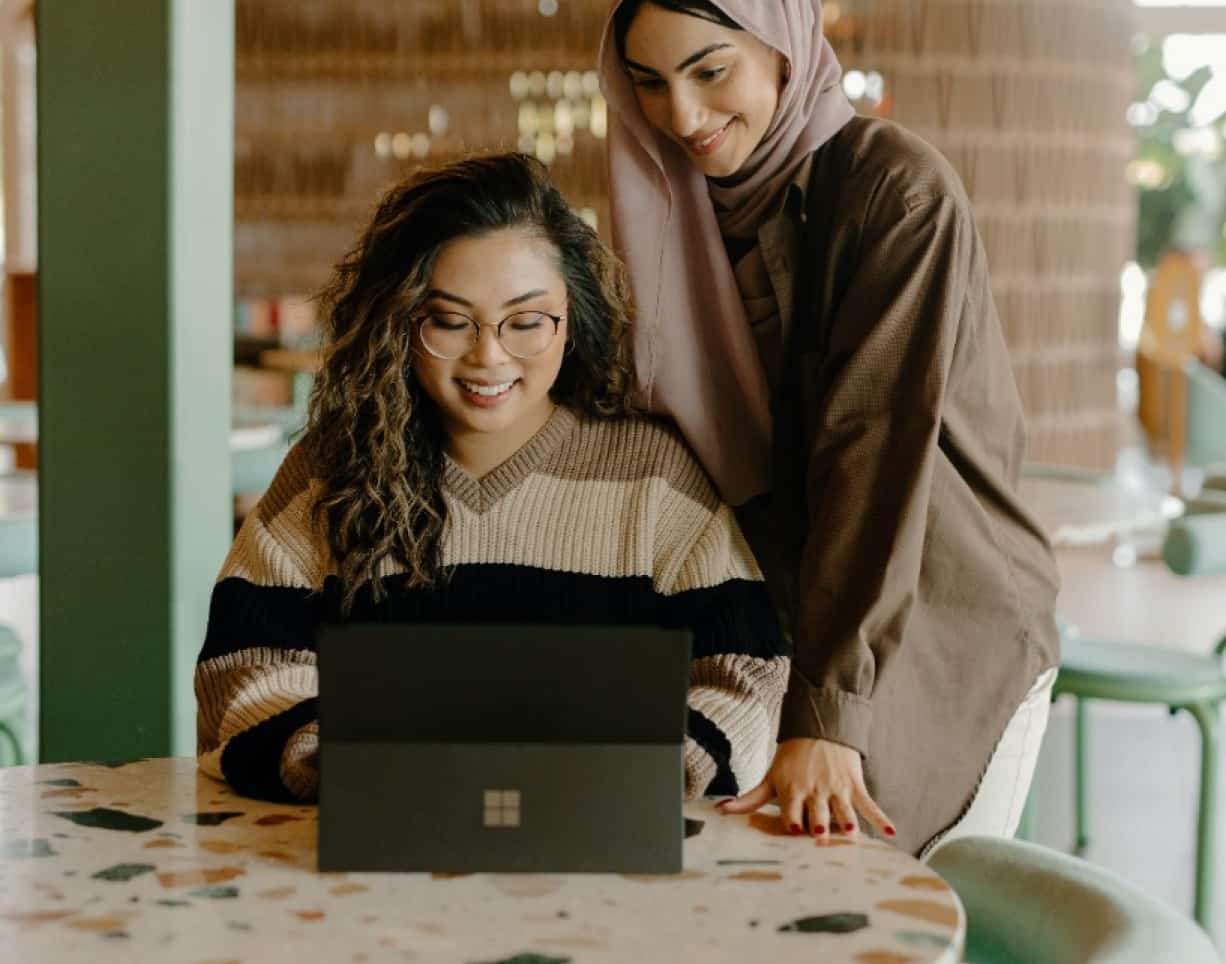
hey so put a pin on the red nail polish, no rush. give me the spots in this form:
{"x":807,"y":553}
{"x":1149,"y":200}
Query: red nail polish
{"x":819,"y":830}
{"x":890,"y":831}
{"x":796,"y":828}
{"x":849,"y":827}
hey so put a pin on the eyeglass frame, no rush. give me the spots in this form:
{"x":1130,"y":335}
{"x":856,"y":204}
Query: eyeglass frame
{"x":497,"y":326}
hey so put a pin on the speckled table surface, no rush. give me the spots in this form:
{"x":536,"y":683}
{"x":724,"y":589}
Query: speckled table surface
{"x":152,"y":861}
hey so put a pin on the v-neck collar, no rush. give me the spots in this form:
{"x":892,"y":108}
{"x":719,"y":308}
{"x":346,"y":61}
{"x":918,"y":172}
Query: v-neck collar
{"x":480,"y":494}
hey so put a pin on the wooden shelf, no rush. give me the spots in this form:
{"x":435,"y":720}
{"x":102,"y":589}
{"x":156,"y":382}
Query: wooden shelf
{"x":302,"y":208}
{"x":341,"y":209}
{"x":407,"y":66}
{"x":292,"y":360}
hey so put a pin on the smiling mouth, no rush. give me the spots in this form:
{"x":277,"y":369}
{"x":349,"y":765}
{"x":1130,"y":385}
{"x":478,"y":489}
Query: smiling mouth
{"x":487,"y":391}
{"x":710,"y":142}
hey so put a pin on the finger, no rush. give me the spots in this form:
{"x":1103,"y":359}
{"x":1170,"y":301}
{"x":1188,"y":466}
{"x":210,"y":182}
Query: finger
{"x":842,"y":814}
{"x":868,"y":808}
{"x":819,"y":815}
{"x":749,"y":802}
{"x":791,"y":812}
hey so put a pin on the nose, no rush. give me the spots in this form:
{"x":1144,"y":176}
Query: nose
{"x":488,"y":350}
{"x":687,"y":114}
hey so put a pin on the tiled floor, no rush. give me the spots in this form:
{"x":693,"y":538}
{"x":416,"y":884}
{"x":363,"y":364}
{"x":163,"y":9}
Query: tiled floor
{"x":1144,"y":777}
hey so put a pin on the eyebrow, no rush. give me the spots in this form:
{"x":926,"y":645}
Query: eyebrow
{"x":691,"y":59}
{"x":517,"y":300}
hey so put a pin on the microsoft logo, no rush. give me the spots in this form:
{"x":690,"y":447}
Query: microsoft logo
{"x":501,"y":808}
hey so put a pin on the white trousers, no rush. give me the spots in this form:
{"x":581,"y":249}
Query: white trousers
{"x":1001,"y":797}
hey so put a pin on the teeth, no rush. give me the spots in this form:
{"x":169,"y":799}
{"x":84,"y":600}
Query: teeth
{"x":710,"y":140}
{"x":487,"y":390}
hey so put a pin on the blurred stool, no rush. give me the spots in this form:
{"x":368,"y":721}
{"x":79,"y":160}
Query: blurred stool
{"x":18,"y":557}
{"x":255,"y":455}
{"x":1128,"y":673}
{"x":1025,"y":903}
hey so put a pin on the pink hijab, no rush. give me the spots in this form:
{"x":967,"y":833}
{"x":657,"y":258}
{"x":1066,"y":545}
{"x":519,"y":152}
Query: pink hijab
{"x":696,"y":356}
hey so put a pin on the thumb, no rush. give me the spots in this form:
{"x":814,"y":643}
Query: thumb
{"x":760,"y":795}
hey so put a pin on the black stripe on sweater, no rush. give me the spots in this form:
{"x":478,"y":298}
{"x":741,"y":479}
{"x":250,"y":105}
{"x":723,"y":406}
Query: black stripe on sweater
{"x":251,"y":761}
{"x":733,"y":617}
{"x":712,"y":739}
{"x":243,"y":615}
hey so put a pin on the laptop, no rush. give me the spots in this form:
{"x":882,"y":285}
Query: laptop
{"x":474,"y":749}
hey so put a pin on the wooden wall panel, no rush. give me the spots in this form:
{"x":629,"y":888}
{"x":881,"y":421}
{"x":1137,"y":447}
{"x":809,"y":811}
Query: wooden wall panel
{"x":1027,"y":99}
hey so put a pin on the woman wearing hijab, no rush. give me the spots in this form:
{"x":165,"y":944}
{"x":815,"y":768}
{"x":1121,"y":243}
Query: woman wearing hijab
{"x":816,"y":317}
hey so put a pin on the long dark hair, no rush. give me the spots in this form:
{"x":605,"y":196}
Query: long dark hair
{"x":695,"y":8}
{"x":374,"y":437}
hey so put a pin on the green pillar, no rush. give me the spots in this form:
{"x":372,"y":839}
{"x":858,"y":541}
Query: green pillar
{"x":135,"y":161}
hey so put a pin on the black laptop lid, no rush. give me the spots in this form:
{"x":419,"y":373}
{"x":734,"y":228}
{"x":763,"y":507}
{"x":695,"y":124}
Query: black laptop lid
{"x":487,"y":684}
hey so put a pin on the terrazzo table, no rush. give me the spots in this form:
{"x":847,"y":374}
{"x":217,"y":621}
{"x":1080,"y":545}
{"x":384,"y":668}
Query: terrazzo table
{"x":150,"y":861}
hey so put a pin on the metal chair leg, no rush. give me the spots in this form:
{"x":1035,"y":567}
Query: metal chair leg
{"x":15,"y":744}
{"x":1208,"y":719}
{"x":1081,"y":778}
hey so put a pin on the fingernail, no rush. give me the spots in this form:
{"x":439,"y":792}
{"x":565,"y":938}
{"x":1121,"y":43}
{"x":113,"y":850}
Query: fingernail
{"x":848,"y":827}
{"x":724,"y":803}
{"x":819,"y":830}
{"x":796,"y":828}
{"x":890,"y":831}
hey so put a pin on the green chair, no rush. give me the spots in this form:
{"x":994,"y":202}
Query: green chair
{"x":12,"y":699}
{"x":1025,"y":903}
{"x":1102,"y":670}
{"x":18,"y":556}
{"x":1204,"y":441}
{"x":259,"y":442}
{"x":1133,"y":673}
{"x":252,"y":469}
{"x":1095,"y":669}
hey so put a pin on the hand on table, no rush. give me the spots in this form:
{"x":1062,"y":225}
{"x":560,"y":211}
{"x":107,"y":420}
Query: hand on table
{"x":818,"y":780}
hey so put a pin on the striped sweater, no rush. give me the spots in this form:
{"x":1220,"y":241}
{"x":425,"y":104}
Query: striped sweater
{"x":606,"y":522}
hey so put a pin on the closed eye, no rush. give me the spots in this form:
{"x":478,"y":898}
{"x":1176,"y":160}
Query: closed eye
{"x":445,"y":321}
{"x":646,"y":82}
{"x":527,"y":320}
{"x":708,"y":74}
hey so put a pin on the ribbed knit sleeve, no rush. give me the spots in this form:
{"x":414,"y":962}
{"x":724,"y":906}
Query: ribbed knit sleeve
{"x":709,"y":582}
{"x":256,"y":680}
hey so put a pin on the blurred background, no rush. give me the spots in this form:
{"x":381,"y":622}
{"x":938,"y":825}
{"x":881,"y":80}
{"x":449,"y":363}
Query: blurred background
{"x":1090,"y":135}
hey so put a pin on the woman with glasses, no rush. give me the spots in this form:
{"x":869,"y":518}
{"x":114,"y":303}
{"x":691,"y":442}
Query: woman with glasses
{"x":816,"y":316}
{"x":471,"y":456}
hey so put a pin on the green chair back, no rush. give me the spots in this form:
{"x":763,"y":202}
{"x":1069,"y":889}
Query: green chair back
{"x":253,"y":469}
{"x":1025,"y":903}
{"x":12,"y":699}
{"x":1196,"y":545}
{"x":18,"y":546}
{"x":18,"y":557}
{"x":255,"y":463}
{"x":1205,"y":416}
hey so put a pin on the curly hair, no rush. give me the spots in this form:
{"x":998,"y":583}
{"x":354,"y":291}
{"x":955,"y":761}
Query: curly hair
{"x":374,"y":437}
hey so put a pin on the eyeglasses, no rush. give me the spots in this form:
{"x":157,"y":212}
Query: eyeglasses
{"x":450,"y":335}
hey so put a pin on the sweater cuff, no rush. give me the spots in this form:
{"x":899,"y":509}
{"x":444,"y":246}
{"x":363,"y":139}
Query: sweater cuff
{"x":300,"y":762}
{"x":820,"y":713}
{"x":700,"y":769}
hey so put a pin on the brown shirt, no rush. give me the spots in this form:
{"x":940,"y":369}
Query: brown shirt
{"x":919,"y":592}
